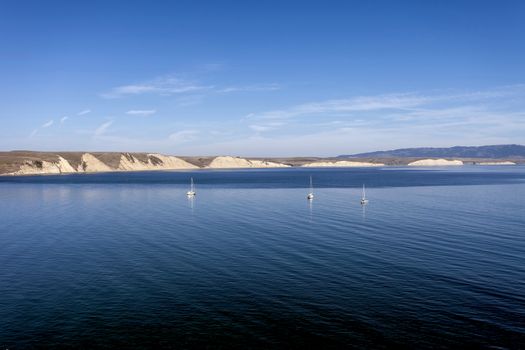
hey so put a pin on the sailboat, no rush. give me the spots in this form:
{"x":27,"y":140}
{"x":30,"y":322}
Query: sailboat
{"x":310,"y":195}
{"x":364,"y":201}
{"x":191,"y":192}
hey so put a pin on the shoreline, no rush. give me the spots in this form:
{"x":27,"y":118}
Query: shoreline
{"x":251,"y":168}
{"x":21,"y":163}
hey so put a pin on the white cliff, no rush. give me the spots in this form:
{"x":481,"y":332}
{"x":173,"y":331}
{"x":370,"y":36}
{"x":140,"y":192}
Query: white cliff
{"x":91,"y":164}
{"x":64,"y":166}
{"x":435,"y":162}
{"x":45,"y":167}
{"x":228,"y":162}
{"x":342,"y":163}
{"x":496,"y":163}
{"x":129,"y":162}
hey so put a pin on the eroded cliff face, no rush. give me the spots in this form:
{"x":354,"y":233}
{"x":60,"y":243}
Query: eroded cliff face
{"x":435,"y":162}
{"x":89,"y":163}
{"x":42,"y":163}
{"x":342,"y":163}
{"x":235,"y":162}
{"x":496,"y":163}
{"x":95,"y":163}
{"x":45,"y":167}
{"x":128,"y":162}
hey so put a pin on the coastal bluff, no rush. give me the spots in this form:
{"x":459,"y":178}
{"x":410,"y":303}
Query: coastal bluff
{"x":42,"y":163}
{"x":17,"y":163}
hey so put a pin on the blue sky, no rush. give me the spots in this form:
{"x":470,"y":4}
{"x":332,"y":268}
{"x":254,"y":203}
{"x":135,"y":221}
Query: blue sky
{"x":260,"y":78}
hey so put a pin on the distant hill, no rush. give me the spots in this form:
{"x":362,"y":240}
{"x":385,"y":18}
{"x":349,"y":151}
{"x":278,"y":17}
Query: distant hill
{"x":493,"y":151}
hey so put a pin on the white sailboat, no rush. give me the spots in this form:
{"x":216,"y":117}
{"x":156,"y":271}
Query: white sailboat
{"x":364,"y":201}
{"x":191,"y":192}
{"x":310,"y":195}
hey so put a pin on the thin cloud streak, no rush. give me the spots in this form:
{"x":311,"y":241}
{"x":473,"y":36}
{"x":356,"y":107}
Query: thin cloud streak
{"x":266,"y":126}
{"x":370,"y":103}
{"x":84,"y":112}
{"x":183,"y":136}
{"x":141,"y":112}
{"x":395,"y":101}
{"x":102,"y":129}
{"x":43,"y":126}
{"x":48,"y":124}
{"x":164,"y":86}
{"x":172,"y":85}
{"x":266,"y":87}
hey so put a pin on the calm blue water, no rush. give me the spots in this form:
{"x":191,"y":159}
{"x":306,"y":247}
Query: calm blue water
{"x":436,"y":260}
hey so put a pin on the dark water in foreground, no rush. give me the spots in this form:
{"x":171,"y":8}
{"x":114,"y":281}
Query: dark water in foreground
{"x":436,"y":260}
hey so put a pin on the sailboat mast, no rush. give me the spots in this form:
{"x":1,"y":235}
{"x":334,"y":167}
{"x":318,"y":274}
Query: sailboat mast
{"x":311,"y":185}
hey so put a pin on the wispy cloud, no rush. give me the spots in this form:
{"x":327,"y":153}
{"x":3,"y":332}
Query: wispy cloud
{"x":262,"y":87}
{"x":63,"y":119}
{"x":363,"y":103}
{"x":43,"y":126}
{"x":259,"y":128}
{"x":170,"y":85}
{"x":400,"y":102}
{"x":183,"y":136}
{"x":439,"y":118}
{"x":334,"y":126}
{"x":101,"y":130}
{"x":141,"y":112}
{"x":265,"y":126}
{"x":48,"y":124}
{"x":84,"y":112}
{"x":166,"y":86}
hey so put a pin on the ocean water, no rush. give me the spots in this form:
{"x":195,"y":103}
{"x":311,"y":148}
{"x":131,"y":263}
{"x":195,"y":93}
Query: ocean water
{"x":436,"y":260}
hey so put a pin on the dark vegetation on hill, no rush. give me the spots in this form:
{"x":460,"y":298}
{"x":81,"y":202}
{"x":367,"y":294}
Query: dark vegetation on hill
{"x":491,"y":152}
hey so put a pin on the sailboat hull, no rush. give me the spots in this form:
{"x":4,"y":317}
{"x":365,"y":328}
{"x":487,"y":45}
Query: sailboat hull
{"x":191,"y":192}
{"x":364,"y":201}
{"x":310,"y":195}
